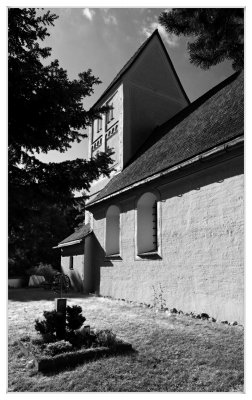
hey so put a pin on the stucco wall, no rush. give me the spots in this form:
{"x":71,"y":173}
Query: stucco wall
{"x":201,"y":264}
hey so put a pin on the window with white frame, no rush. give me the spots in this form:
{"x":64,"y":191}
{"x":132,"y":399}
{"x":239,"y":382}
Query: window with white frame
{"x":112,"y":242}
{"x":147,"y":224}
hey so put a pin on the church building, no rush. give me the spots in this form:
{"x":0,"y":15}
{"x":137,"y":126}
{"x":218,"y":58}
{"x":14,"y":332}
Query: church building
{"x":168,"y":223}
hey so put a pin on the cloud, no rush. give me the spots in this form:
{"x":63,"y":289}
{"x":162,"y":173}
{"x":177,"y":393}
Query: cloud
{"x":109,"y":19}
{"x":170,"y":39}
{"x":88,"y":13}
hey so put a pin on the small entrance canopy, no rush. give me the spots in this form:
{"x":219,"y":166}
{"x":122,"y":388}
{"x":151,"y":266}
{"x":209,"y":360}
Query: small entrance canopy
{"x":76,"y":237}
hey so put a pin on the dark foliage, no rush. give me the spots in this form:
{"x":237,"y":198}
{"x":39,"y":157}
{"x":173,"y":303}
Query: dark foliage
{"x":106,"y":338}
{"x":45,"y":270}
{"x":52,"y":322}
{"x":48,"y":327}
{"x":45,"y":113}
{"x":74,"y":317}
{"x":218,"y":34}
{"x":76,"y":339}
{"x":52,"y":349}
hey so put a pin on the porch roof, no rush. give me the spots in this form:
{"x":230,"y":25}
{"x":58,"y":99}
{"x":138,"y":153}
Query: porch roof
{"x":76,"y":237}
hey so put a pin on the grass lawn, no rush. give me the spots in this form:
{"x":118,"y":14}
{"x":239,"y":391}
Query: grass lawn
{"x":175,"y":353}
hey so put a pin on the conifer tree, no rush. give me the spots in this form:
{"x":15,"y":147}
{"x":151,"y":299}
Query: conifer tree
{"x":217,"y":34}
{"x":45,"y":112}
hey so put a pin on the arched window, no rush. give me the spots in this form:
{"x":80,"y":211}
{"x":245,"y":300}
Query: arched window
{"x":147,"y":223}
{"x":113,"y":231}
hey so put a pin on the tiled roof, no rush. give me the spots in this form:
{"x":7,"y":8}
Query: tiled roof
{"x":131,"y":61}
{"x":78,"y":234}
{"x":213,"y":119}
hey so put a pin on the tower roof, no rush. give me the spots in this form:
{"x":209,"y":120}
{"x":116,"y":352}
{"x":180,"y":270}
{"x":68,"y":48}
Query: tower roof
{"x":133,"y":59}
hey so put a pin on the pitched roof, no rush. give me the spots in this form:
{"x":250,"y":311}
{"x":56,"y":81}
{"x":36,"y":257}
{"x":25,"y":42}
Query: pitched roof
{"x":79,"y":234}
{"x":132,"y":60}
{"x":213,"y":119}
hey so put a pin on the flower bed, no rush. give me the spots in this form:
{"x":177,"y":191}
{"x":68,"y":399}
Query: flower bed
{"x":61,"y":346}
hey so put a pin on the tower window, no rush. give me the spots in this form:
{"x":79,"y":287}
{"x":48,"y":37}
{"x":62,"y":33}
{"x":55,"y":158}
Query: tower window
{"x":99,"y":124}
{"x":110,"y":113}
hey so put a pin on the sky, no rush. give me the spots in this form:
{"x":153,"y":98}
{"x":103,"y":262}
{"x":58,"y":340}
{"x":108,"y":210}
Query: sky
{"x":104,"y":39}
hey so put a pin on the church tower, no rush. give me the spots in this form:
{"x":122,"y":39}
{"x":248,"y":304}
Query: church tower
{"x":143,"y":95}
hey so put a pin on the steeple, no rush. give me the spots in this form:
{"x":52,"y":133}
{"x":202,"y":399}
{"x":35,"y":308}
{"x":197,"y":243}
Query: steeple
{"x":145,"y":93}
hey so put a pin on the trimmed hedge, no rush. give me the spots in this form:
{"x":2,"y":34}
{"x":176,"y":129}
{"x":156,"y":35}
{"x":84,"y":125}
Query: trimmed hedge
{"x":71,"y":359}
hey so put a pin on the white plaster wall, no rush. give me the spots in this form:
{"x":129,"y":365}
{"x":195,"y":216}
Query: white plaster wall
{"x":201,"y":268}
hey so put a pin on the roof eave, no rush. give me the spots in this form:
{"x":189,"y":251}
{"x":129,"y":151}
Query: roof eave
{"x":71,"y":243}
{"x":183,"y":164}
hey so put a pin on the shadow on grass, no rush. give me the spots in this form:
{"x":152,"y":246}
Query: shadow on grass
{"x":37,"y":294}
{"x":63,"y":368}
